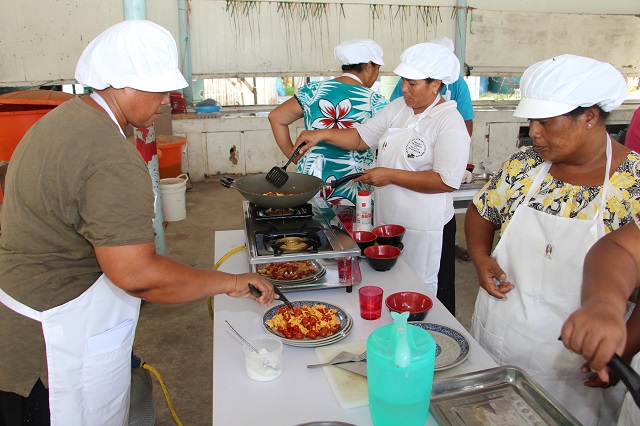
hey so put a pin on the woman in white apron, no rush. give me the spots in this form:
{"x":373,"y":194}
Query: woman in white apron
{"x":552,"y":202}
{"x":77,"y":249}
{"x":423,"y":148}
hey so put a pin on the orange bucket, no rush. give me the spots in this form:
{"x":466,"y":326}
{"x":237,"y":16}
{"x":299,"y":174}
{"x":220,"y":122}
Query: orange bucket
{"x":20,"y":110}
{"x":170,"y":155}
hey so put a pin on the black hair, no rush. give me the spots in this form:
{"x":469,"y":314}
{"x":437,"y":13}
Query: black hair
{"x":353,"y":67}
{"x":581,"y":110}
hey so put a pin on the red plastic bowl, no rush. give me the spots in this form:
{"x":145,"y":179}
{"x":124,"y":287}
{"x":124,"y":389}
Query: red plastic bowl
{"x":417,"y":304}
{"x":364,"y":239}
{"x":389,"y":234}
{"x":382,"y":257}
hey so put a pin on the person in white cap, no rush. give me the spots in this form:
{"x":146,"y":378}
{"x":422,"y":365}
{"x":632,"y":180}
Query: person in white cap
{"x":340,"y":103}
{"x":457,"y":91}
{"x":598,"y":330}
{"x":77,"y":250}
{"x":551,"y":202}
{"x":423,"y":147}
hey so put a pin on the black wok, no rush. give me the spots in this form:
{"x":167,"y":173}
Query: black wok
{"x":302,"y":188}
{"x":252,"y":188}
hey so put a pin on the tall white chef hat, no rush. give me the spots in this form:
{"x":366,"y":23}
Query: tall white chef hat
{"x":134,"y":53}
{"x":444,"y":41}
{"x":358,"y":51}
{"x":559,"y":85}
{"x":429,"y":60}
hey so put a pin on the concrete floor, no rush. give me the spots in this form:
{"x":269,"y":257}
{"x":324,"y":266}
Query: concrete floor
{"x":177,"y":339}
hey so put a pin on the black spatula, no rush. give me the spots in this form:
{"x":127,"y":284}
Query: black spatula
{"x":278,"y":176}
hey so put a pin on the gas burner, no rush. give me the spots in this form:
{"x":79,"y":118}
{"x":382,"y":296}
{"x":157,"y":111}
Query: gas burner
{"x":292,"y":243}
{"x":269,"y":213}
{"x":275,"y":212}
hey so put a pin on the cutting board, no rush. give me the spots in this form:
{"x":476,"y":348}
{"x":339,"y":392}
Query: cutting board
{"x":349,"y":388}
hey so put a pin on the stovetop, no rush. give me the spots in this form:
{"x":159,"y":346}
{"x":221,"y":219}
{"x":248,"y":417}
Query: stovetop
{"x":316,"y":230}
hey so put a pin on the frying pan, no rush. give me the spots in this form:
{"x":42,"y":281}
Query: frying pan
{"x":302,"y":188}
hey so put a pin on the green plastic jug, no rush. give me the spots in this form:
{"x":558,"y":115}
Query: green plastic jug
{"x":400,"y":362}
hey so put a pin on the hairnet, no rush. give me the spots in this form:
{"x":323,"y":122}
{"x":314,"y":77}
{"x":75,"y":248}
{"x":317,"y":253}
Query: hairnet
{"x":358,"y":51}
{"x":429,"y":60}
{"x":558,"y":85}
{"x":444,"y":41}
{"x":134,"y":53}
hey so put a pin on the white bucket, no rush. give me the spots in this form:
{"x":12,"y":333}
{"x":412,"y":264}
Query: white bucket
{"x":174,"y":202}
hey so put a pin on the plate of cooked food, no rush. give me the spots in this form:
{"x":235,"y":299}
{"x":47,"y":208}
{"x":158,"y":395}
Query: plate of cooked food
{"x":310,"y":324}
{"x":292,"y":272}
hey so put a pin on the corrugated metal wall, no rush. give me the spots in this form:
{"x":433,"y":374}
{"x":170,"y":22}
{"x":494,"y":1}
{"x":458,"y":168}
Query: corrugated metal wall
{"x":40,"y":41}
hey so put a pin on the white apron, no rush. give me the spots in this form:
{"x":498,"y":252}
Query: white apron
{"x":543,"y":256}
{"x":421,"y":214}
{"x":88,"y":344}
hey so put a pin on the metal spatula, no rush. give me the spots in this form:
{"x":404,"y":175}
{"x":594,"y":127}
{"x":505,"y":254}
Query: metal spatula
{"x":278,"y":175}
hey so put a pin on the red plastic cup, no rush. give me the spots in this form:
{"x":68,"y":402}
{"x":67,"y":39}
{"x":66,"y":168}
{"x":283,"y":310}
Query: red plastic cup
{"x":344,"y":267}
{"x":370,"y":302}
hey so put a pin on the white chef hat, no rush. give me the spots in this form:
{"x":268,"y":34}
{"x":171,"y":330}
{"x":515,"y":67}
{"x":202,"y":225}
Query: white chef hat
{"x":444,"y":41}
{"x":134,"y":53}
{"x":559,"y":85}
{"x":358,"y":51}
{"x":429,"y":60}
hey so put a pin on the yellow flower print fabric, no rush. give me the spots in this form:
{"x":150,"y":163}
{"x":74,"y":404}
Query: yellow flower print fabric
{"x":498,"y":199}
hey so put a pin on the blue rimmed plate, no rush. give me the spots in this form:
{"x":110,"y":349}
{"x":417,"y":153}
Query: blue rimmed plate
{"x":452,"y":348}
{"x":346,"y":323}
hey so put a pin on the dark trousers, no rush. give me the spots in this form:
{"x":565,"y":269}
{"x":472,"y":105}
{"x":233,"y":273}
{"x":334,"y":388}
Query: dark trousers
{"x":33,"y":410}
{"x":447,"y":274}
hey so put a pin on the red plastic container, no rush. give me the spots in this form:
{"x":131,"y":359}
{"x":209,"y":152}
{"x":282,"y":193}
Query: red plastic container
{"x":170,"y":155}
{"x":20,"y":110}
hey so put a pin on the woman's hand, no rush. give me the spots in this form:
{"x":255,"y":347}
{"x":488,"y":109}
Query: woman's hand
{"x":311,"y":137}
{"x":378,"y":176}
{"x":491,"y":277}
{"x":596,"y":331}
{"x":241,"y":288}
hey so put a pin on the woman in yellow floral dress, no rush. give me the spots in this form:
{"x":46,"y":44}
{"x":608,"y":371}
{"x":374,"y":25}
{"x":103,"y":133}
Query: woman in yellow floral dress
{"x":551,"y":202}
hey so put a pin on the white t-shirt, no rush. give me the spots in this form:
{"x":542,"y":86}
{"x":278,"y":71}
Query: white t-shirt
{"x":442,"y":127}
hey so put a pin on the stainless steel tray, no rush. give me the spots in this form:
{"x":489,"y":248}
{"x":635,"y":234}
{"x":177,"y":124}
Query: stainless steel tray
{"x":498,"y":396}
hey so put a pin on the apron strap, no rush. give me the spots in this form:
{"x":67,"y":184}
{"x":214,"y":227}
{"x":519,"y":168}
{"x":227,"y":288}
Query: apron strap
{"x":18,"y":307}
{"x":545,"y":169}
{"x":100,"y":101}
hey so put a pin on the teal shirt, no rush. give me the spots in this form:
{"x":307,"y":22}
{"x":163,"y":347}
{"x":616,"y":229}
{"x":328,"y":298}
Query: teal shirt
{"x":335,"y":105}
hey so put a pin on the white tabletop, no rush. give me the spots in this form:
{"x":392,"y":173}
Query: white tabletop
{"x":302,"y":395}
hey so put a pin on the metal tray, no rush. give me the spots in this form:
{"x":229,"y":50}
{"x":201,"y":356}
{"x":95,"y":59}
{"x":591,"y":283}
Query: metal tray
{"x":498,"y":396}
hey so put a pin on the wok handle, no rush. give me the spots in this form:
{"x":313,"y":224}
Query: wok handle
{"x":227,"y":181}
{"x":628,"y":376}
{"x":344,"y":179}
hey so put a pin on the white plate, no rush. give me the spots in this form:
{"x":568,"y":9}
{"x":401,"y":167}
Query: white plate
{"x":346,"y":323}
{"x":452,"y":348}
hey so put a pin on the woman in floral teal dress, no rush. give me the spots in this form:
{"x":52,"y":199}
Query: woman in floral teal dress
{"x":341,"y":103}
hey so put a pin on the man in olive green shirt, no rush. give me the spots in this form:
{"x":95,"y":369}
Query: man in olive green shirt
{"x":77,"y":243}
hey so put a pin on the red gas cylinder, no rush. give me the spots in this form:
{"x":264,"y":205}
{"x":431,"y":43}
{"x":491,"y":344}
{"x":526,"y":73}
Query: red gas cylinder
{"x":177,"y":103}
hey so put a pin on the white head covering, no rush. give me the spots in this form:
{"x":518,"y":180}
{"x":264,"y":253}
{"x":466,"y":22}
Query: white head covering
{"x":358,"y":51}
{"x":429,"y":60}
{"x":559,"y":85}
{"x":134,"y":53}
{"x":444,"y":41}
